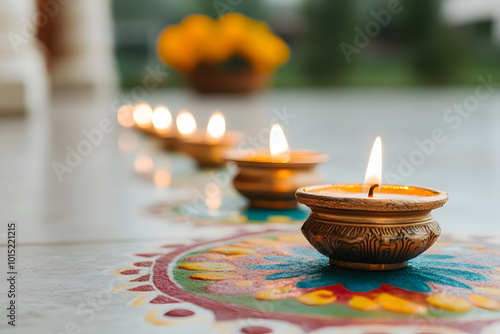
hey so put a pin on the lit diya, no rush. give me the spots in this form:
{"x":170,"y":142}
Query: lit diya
{"x":143,"y":116}
{"x":209,"y":148}
{"x":152,"y":122}
{"x":162,"y":121}
{"x":125,"y":116}
{"x":371,"y":226}
{"x":269,"y":179}
{"x":172,"y":137}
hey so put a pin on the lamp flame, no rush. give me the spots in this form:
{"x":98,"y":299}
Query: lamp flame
{"x":162,"y":119}
{"x":278,"y":145}
{"x":185,"y":123}
{"x":143,"y":115}
{"x":216,"y":127}
{"x":374,"y":169}
{"x":126,"y":116}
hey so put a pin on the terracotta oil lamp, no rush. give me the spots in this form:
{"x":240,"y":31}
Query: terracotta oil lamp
{"x":371,"y":226}
{"x":165,"y":128}
{"x":209,"y":148}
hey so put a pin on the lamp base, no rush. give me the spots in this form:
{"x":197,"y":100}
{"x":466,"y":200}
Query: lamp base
{"x":369,"y":266}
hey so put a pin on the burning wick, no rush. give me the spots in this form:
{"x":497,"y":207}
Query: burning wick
{"x":372,"y":188}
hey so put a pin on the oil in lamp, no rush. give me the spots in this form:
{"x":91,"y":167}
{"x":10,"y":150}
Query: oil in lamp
{"x":371,"y":226}
{"x":269,"y":178}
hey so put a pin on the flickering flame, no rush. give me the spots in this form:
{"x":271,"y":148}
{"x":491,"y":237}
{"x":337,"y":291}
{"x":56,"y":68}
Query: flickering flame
{"x":143,"y":115}
{"x":185,"y":123}
{"x":216,"y":127}
{"x":374,"y":170}
{"x":125,"y":116}
{"x":278,"y":145}
{"x":213,"y":199}
{"x":162,"y":119}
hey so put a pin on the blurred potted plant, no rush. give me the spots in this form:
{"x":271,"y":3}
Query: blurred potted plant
{"x":233,"y":54}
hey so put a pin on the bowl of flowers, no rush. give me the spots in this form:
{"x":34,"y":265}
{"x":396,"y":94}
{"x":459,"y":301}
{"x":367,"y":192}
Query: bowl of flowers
{"x":233,"y":54}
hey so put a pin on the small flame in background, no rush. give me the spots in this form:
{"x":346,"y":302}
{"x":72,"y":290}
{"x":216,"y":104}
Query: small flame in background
{"x":216,"y":127}
{"x":162,"y":119}
{"x":143,"y":115}
{"x":186,"y":124}
{"x":278,"y":146}
{"x":125,"y":116}
{"x":374,"y":169}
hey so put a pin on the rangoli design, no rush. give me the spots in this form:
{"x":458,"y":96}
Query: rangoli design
{"x":272,"y":281}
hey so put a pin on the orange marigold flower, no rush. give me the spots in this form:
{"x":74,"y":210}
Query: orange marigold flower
{"x":199,"y":39}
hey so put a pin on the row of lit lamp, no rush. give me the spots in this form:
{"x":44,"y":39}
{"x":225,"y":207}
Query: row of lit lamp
{"x":208,"y":148}
{"x":359,"y":226}
{"x":268,"y":178}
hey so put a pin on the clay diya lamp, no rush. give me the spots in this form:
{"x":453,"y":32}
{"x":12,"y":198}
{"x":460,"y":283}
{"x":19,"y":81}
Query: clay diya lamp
{"x":368,"y":226}
{"x":269,"y":179}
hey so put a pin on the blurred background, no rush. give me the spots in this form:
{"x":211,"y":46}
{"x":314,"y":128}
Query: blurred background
{"x":331,"y":43}
{"x":426,"y":42}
